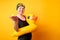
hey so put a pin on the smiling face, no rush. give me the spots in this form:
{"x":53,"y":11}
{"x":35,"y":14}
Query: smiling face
{"x":21,"y":10}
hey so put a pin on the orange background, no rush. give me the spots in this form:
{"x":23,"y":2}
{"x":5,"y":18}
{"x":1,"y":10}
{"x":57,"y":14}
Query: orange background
{"x":48,"y":12}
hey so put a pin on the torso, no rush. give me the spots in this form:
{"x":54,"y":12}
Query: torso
{"x":23,"y":24}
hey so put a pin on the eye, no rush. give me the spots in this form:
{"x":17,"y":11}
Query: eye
{"x":28,"y":17}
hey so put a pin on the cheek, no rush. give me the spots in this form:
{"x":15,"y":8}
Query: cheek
{"x":20,"y":10}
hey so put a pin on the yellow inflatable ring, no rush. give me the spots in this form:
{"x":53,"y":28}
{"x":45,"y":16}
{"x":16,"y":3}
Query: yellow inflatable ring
{"x":30,"y":28}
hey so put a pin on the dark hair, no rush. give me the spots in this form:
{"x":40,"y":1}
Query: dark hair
{"x":18,"y":5}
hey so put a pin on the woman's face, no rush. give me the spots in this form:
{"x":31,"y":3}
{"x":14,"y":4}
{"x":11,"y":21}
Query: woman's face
{"x":21,"y":10}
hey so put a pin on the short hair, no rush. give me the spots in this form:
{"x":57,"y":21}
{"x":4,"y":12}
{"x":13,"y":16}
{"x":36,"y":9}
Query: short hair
{"x":19,"y":4}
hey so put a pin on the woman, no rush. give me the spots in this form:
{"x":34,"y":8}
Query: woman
{"x":20,"y":21}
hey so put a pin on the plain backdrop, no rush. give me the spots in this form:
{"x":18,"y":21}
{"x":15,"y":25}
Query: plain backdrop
{"x":47,"y":11}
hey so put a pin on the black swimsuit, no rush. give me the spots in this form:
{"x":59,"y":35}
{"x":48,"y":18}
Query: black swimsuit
{"x":27,"y":36}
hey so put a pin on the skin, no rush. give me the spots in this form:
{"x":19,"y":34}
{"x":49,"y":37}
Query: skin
{"x":20,"y":16}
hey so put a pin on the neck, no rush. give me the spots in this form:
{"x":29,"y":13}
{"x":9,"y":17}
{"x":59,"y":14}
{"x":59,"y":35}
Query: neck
{"x":20,"y":15}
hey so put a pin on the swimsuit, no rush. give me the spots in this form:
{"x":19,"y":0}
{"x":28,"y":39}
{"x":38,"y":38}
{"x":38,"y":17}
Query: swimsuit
{"x":27,"y":36}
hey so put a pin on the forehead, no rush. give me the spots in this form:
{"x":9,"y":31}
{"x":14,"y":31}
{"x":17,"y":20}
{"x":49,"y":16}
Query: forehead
{"x":21,"y":7}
